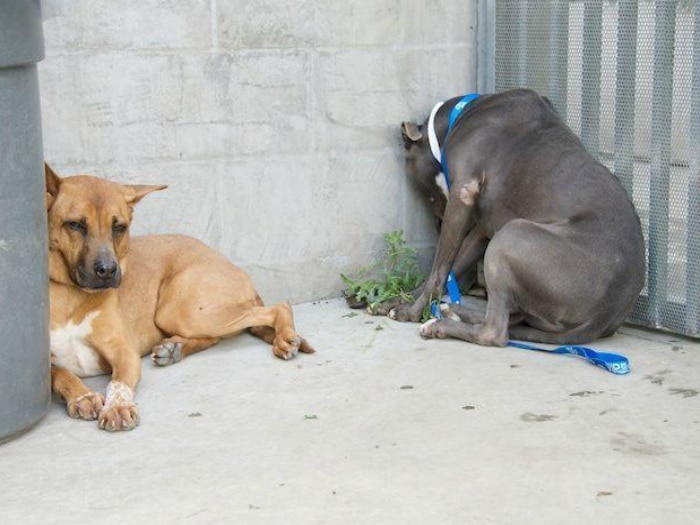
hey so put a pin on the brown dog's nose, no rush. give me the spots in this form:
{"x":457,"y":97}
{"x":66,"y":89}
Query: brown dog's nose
{"x":105,"y":269}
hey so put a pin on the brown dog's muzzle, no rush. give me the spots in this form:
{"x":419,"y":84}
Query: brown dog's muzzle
{"x":103,"y":273}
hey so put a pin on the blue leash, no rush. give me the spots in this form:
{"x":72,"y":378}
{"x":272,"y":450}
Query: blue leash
{"x":614,"y":363}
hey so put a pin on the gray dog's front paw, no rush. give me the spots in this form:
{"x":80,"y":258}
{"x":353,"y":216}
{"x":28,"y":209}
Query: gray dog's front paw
{"x":405,"y":313}
{"x":384,"y":308}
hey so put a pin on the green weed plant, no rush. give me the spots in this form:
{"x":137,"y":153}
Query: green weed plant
{"x":396,"y":274}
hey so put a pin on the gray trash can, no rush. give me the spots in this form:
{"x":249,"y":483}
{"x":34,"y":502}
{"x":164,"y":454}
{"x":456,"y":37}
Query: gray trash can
{"x":25,"y":384}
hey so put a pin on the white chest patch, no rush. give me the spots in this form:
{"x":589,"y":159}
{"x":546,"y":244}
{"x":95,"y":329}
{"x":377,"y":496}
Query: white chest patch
{"x":441,"y":181}
{"x":70,"y":350}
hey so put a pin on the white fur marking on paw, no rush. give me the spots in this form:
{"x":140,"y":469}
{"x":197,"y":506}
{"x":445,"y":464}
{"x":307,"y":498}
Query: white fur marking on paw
{"x":446,"y":312}
{"x":392,"y":314}
{"x":425,"y":326}
{"x":118,"y":394}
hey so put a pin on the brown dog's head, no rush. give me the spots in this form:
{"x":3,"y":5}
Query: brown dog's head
{"x":88,"y":221}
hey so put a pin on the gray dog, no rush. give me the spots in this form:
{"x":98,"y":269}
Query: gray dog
{"x":562,"y":245}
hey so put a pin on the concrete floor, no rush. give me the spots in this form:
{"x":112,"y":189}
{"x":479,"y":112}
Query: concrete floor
{"x":379,"y":427}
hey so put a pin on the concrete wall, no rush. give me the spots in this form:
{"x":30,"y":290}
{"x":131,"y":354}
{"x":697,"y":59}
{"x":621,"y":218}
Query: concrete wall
{"x":275,"y":123}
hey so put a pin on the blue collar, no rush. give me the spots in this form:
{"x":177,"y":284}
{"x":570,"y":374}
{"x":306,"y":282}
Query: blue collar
{"x":439,"y":152}
{"x":459,"y":107}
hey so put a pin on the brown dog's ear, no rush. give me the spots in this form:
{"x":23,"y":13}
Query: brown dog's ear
{"x":410,"y":133}
{"x":53,"y":182}
{"x":136,"y":192}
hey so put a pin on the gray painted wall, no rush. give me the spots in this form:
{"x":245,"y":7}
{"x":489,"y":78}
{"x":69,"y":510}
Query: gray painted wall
{"x":275,"y":123}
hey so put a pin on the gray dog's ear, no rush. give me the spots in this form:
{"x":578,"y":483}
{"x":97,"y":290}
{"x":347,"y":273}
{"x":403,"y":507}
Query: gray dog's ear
{"x":410,"y":133}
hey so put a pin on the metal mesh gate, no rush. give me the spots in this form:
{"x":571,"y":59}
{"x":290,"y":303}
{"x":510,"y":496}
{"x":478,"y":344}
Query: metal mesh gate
{"x":622,"y":74}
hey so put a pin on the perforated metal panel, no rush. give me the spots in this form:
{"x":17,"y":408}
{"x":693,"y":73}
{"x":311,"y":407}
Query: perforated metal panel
{"x":622,"y":74}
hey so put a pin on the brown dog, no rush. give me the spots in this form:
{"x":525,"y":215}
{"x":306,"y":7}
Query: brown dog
{"x":116,"y":299}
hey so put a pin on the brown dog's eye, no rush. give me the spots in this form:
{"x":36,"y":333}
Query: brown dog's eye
{"x":76,"y":226}
{"x":118,"y":227}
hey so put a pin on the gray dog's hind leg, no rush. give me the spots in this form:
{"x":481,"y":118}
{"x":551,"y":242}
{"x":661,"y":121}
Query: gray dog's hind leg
{"x":477,"y":333}
{"x":529,"y":261}
{"x":490,"y":330}
{"x":471,"y":311}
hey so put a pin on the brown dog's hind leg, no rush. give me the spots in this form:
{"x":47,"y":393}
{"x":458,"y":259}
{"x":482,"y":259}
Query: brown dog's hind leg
{"x":229,"y":319}
{"x":267,"y":334}
{"x":81,"y":402}
{"x":172,"y":349}
{"x":212,"y":299}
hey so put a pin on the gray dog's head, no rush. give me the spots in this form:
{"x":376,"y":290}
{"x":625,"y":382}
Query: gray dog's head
{"x":422,"y":168}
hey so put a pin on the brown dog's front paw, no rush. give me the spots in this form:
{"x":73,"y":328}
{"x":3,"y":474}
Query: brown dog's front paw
{"x":119,"y":412}
{"x":120,"y":417}
{"x":404,"y":313}
{"x":286,"y":344}
{"x":166,"y":353}
{"x":87,"y":406}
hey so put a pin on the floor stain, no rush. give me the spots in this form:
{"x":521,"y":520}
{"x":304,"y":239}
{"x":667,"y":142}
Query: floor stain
{"x":586,"y":393}
{"x":636,"y":445}
{"x":369,"y":344}
{"x":536,"y":418}
{"x":684,"y":392}
{"x":657,"y":378}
